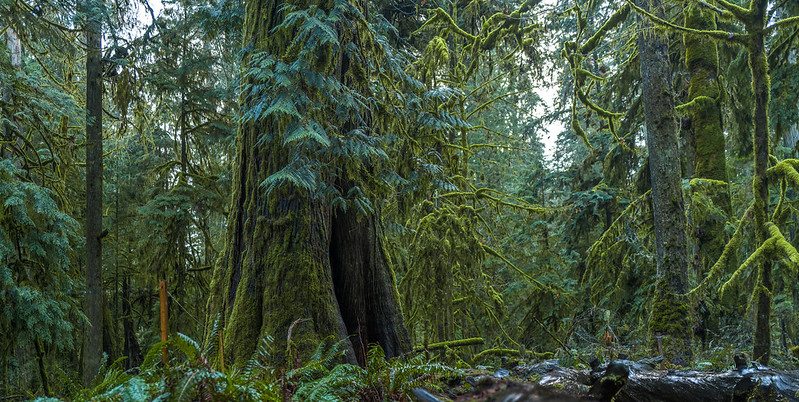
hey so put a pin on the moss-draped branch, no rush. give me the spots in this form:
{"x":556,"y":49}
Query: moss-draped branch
{"x":729,"y":37}
{"x":774,"y":246}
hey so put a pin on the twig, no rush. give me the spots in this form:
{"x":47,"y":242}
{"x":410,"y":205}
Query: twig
{"x":562,"y":345}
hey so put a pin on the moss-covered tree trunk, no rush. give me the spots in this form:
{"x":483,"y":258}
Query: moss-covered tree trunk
{"x":669,"y":317}
{"x":712,"y":206}
{"x":701,"y":57}
{"x":758,"y":62}
{"x":293,"y":268}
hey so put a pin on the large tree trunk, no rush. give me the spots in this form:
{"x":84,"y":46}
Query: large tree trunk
{"x":275,"y":269}
{"x":292,"y":268}
{"x":94,"y":193}
{"x":669,"y":316}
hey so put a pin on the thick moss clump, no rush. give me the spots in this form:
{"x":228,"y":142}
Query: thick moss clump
{"x":701,"y":57}
{"x":671,"y":321}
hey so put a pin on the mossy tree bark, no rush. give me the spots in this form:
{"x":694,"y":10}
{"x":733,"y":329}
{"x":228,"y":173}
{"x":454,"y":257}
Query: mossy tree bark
{"x":701,"y":57}
{"x":669,"y":317}
{"x":93,"y":348}
{"x":707,"y":218}
{"x":294,"y":268}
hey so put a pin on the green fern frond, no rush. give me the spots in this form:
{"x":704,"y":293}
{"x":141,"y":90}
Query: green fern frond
{"x":310,"y":130}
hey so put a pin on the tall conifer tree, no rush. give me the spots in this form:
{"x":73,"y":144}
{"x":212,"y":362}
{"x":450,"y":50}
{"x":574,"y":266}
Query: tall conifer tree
{"x":94,"y":190}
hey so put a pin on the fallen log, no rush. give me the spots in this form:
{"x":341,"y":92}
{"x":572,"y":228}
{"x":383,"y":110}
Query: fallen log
{"x":744,"y":384}
{"x":628,"y":381}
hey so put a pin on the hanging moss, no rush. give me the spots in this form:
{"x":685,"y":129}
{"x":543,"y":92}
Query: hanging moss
{"x":616,"y":255}
{"x":446,"y":264}
{"x":618,"y":163}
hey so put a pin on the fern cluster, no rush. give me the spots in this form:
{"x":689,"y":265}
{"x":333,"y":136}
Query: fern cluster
{"x":379,"y":380}
{"x":190,"y":376}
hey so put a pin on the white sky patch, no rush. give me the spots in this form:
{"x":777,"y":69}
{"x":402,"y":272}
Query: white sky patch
{"x":549,"y":136}
{"x":143,"y":16}
{"x":549,"y":94}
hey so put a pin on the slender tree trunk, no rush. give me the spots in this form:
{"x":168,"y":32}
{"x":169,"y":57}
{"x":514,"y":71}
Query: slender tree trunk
{"x":669,"y":317}
{"x":40,"y":356}
{"x":132,"y":350}
{"x":94,"y":192}
{"x":183,"y":228}
{"x":758,"y":62}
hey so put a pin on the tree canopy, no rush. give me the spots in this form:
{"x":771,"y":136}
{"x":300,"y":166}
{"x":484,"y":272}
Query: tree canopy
{"x":390,"y":190}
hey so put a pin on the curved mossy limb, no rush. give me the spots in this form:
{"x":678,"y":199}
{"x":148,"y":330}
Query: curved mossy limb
{"x":497,"y":352}
{"x":451,"y":344}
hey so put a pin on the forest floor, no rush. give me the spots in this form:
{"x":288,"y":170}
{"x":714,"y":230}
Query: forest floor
{"x":621,"y":381}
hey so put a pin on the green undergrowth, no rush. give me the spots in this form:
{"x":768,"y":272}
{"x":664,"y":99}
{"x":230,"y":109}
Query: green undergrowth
{"x":192,"y":375}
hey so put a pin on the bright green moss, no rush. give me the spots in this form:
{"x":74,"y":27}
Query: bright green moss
{"x":670,"y":319}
